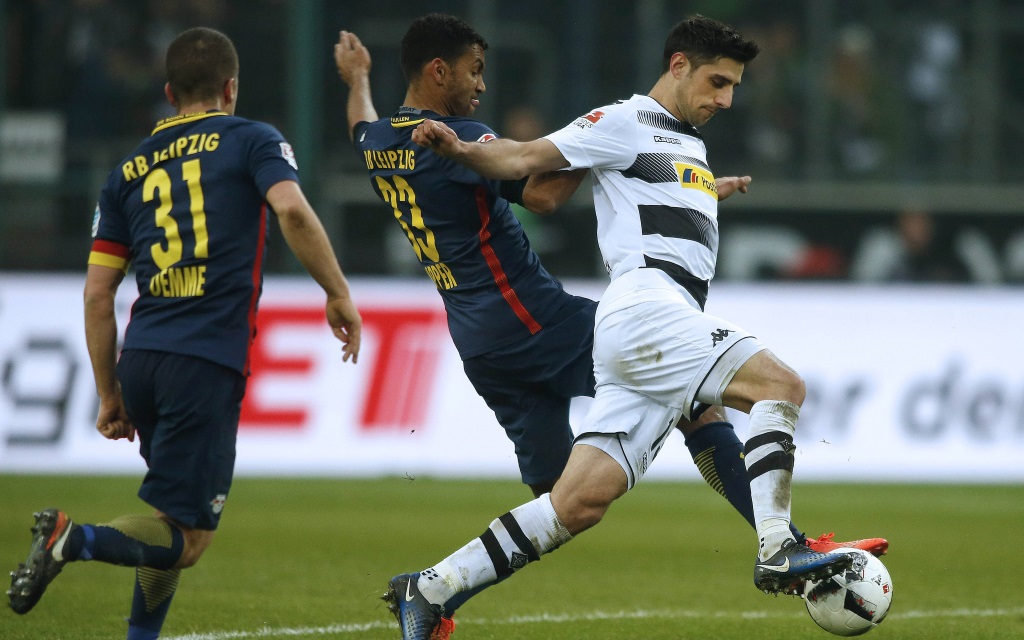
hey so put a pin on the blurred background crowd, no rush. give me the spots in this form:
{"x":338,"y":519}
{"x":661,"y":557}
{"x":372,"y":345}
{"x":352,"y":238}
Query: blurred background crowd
{"x":883,"y":135}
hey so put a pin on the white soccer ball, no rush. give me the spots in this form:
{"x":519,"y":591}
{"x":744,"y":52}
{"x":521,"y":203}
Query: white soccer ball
{"x":853,"y":602}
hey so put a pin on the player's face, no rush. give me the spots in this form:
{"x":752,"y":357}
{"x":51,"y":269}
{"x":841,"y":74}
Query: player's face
{"x":465,"y":82}
{"x":702,"y":91}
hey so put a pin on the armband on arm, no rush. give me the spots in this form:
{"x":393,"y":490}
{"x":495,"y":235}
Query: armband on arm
{"x":512,"y":190}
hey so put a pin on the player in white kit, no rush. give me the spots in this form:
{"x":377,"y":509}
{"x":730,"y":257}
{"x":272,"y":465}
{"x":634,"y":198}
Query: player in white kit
{"x":657,"y":355}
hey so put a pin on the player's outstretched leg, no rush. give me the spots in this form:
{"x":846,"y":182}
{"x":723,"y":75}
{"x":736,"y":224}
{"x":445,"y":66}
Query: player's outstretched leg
{"x":782,"y":561}
{"x":825,"y":543}
{"x":718,"y":454}
{"x":511,"y":542}
{"x":796,"y":563}
{"x":45,"y":560}
{"x":417,"y":617}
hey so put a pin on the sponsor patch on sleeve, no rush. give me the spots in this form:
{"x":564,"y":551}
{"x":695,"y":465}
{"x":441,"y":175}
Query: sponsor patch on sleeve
{"x":96,"y":221}
{"x":589,"y":120}
{"x":487,"y":137}
{"x":289,"y":155}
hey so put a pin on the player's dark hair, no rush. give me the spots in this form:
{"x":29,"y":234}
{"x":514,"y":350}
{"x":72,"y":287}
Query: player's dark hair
{"x":436,"y":35}
{"x":704,"y":40}
{"x":199,"y":62}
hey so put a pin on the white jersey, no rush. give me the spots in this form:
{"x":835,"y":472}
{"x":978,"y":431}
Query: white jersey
{"x":654,"y":193}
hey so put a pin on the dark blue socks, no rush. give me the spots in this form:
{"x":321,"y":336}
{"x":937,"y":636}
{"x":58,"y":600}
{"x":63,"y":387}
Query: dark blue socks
{"x":133,"y":541}
{"x":718,"y":454}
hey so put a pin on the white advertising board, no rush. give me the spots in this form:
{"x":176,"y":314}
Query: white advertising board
{"x":904,"y":384}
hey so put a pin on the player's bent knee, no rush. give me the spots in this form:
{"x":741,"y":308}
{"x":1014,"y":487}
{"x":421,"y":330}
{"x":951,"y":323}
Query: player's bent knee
{"x":196,"y":543}
{"x":792,"y":387}
{"x":764,"y":377}
{"x":582,"y":508}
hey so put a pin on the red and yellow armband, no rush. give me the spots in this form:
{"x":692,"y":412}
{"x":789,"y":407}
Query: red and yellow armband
{"x":110,"y":254}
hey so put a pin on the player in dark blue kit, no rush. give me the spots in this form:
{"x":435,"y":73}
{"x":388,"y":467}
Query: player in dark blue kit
{"x":525,"y":343}
{"x":523,"y":339}
{"x":189,"y":209}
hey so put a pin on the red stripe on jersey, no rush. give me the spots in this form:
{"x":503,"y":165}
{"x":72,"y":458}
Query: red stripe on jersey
{"x":257,"y":273}
{"x":497,"y":271}
{"x":110,"y":248}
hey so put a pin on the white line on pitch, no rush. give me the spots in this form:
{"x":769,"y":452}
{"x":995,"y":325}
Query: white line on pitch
{"x":298,"y":632}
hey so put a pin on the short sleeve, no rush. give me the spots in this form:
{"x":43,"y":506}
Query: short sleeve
{"x":601,"y":139}
{"x":271,"y":159}
{"x":111,"y":236}
{"x":358,"y":132}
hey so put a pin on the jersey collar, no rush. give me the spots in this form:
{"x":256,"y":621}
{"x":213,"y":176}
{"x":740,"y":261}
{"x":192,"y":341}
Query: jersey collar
{"x":181,"y":119}
{"x":410,"y":117}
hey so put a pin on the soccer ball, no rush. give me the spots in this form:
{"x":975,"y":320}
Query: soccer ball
{"x":852,"y":602}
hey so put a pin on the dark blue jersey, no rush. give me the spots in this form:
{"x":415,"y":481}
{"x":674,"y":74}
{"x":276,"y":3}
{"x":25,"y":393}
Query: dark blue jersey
{"x":464,"y":233}
{"x":188,"y":209}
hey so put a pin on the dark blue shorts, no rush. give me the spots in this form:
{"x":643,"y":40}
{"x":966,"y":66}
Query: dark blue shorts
{"x":528,"y":385}
{"x":185,"y":411}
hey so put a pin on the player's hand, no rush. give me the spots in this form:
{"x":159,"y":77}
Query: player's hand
{"x":728,"y":186}
{"x":112,"y":421}
{"x":351,"y":58}
{"x":347,"y":325}
{"x":436,"y":136}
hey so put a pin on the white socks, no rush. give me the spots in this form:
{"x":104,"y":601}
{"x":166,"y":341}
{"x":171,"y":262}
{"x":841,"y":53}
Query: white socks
{"x":768,"y":454}
{"x":509,"y":544}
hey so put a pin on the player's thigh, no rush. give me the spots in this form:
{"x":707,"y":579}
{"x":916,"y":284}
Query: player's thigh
{"x":534,"y":419}
{"x":628,"y":426}
{"x":591,"y":482}
{"x":135,"y":371}
{"x":666,"y":349}
{"x":192,"y":449}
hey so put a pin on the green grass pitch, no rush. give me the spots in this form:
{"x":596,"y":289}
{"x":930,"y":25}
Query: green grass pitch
{"x":308,"y":558}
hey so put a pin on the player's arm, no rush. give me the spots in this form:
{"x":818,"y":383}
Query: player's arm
{"x":500,"y":159}
{"x":307,"y":239}
{"x":101,"y":284}
{"x":353,"y":62}
{"x":545,"y":192}
{"x":730,"y":185}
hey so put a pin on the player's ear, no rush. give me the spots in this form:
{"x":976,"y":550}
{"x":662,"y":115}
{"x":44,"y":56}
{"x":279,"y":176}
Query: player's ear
{"x":678,"y":64}
{"x":169,"y":95}
{"x":437,"y":69}
{"x":230,"y":93}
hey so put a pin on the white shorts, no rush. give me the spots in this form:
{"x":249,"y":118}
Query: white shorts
{"x":656,"y":358}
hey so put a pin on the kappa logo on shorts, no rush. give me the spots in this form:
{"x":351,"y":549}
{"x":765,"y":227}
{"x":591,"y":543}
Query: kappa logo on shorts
{"x":217,"y":504}
{"x":719,"y":335}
